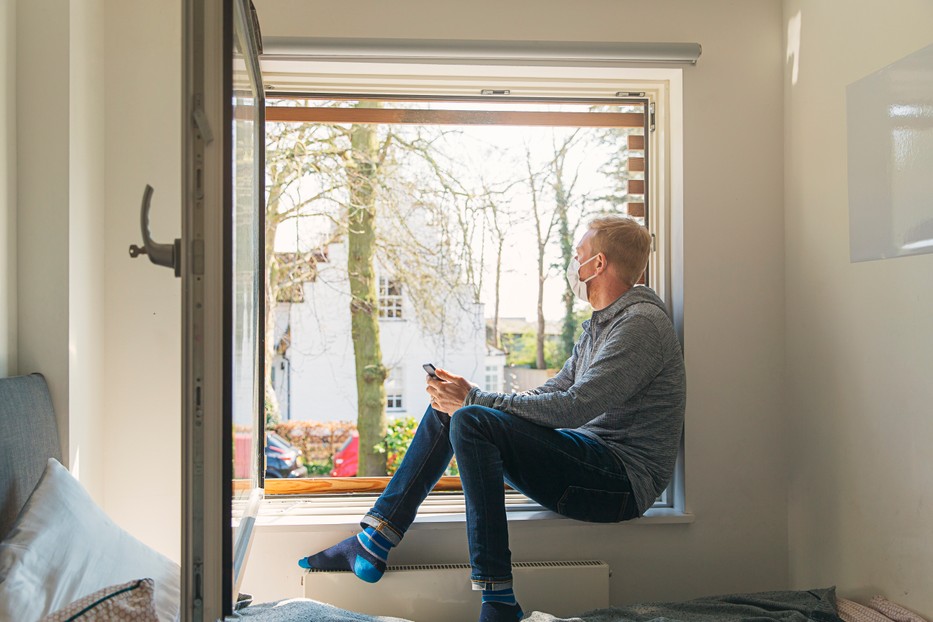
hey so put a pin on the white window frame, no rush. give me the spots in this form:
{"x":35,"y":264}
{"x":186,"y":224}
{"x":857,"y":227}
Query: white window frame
{"x":492,"y":371}
{"x":662,"y":86}
{"x":396,"y":379}
{"x":391,"y":306}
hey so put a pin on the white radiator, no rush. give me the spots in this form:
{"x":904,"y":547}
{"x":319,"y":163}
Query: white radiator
{"x":443,"y":592}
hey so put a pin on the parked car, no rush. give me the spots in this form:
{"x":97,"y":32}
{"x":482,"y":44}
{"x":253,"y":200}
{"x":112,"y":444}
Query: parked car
{"x":282,"y":458}
{"x":347,"y":458}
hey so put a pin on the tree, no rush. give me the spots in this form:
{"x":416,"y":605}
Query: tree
{"x":363,"y":170}
{"x":563,"y":199}
{"x":386,"y":191}
{"x":496,"y":218}
{"x":544,"y":226}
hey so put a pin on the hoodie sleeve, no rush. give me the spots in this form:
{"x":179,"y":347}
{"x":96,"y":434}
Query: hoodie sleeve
{"x":627,"y":361}
{"x":562,"y":381}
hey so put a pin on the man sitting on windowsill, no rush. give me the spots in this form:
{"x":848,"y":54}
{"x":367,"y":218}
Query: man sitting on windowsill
{"x":597,"y":442}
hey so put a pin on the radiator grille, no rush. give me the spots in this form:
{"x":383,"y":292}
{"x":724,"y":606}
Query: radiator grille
{"x":411,"y":567}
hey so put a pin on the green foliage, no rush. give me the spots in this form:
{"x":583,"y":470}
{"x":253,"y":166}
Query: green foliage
{"x":400,"y":433}
{"x":522,"y":350}
{"x":272,"y":415}
{"x":320,"y":469}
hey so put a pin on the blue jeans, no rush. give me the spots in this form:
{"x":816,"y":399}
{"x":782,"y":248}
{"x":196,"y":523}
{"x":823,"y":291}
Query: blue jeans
{"x":563,"y":470}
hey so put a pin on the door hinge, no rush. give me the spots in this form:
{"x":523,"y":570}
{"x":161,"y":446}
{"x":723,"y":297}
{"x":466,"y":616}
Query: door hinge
{"x":651,"y":118}
{"x":200,"y":120}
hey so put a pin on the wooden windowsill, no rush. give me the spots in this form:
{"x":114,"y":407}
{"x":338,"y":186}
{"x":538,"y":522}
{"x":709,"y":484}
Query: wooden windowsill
{"x":334,"y":485}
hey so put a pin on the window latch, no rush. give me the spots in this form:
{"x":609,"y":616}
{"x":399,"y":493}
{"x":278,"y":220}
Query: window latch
{"x":168,"y":255}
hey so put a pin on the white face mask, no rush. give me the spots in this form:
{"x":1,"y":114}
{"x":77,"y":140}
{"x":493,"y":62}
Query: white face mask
{"x":573,"y":277}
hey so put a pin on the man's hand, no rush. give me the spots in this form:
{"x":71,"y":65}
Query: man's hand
{"x":447,"y":391}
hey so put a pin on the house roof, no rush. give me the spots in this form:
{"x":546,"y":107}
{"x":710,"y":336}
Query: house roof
{"x":519,"y":325}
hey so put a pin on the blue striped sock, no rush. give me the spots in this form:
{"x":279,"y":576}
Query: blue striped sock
{"x":500,"y":611}
{"x":365,"y":554}
{"x":506,"y":596}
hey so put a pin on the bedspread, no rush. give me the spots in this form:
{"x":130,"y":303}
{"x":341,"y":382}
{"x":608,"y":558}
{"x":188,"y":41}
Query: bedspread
{"x":814,"y":605}
{"x":809,"y":606}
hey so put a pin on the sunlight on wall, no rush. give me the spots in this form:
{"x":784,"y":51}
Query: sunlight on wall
{"x":76,"y":464}
{"x":793,"y":46}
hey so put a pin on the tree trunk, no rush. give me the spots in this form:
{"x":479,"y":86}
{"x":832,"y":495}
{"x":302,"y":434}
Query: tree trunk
{"x":568,"y":327}
{"x":496,"y":341}
{"x":271,"y":401}
{"x":539,"y":341}
{"x":364,"y":316}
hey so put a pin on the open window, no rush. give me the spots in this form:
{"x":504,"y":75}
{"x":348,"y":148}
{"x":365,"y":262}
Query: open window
{"x":457,"y":214}
{"x":222,"y":292}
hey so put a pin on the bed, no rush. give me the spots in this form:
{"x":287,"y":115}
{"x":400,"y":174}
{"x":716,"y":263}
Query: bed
{"x":813,"y":605}
{"x":61,"y":556}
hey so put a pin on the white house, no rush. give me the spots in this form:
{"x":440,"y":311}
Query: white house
{"x":315,"y":379}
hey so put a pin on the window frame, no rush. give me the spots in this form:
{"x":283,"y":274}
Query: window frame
{"x":664,"y":215}
{"x":387,"y":302}
{"x":396,"y":375}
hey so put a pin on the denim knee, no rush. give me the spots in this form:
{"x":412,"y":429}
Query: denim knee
{"x":467,"y":421}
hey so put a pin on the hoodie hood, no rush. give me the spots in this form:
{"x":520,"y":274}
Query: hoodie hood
{"x":639,"y":294}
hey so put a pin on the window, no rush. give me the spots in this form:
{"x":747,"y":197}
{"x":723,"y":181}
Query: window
{"x":394,"y":390}
{"x":493,"y":378}
{"x":390,"y":299}
{"x":465,"y":177}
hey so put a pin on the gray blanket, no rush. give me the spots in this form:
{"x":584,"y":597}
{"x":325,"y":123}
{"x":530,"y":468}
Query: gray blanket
{"x":810,"y":606}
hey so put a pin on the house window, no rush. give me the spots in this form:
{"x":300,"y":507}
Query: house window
{"x":390,"y":299}
{"x":394,"y":391}
{"x":493,"y":380}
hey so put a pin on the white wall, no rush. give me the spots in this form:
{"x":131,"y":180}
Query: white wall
{"x":859,"y":335}
{"x":7,"y":187}
{"x":42,"y":187}
{"x":86,"y":269}
{"x":733,"y":305}
{"x":54,"y":199}
{"x":143,"y":302}
{"x":98,"y":115}
{"x":56,"y":205}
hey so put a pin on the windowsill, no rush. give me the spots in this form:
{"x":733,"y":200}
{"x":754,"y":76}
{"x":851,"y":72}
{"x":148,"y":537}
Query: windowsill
{"x":297,"y":518}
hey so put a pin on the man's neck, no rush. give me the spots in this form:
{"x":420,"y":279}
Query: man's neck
{"x":602,"y":297}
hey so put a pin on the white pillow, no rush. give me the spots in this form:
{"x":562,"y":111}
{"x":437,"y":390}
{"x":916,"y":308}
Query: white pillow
{"x":63,"y":547}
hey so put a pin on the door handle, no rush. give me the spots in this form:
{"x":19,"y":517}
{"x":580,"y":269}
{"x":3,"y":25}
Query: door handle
{"x":168,"y":255}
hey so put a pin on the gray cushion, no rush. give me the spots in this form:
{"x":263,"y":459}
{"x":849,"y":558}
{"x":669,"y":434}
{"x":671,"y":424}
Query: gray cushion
{"x":28,"y":438}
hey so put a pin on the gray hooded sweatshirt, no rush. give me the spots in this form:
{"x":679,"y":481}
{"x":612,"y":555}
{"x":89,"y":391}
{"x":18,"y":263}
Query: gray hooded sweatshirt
{"x":624,"y":386}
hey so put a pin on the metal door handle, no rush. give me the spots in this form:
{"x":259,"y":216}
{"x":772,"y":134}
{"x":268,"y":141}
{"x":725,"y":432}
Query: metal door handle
{"x":168,"y":255}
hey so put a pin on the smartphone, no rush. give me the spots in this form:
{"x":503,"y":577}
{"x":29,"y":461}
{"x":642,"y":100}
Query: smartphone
{"x":432,"y":371}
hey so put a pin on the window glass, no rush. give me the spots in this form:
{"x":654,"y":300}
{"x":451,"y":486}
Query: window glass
{"x":457,"y":217}
{"x":394,"y":388}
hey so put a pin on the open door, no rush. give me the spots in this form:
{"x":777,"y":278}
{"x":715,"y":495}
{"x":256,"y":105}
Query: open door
{"x":223,"y":286}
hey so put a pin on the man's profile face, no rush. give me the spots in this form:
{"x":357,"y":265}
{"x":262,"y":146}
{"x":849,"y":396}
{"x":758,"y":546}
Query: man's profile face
{"x":585,"y":252}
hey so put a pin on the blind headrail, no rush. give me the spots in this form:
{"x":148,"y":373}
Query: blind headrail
{"x":480,"y":52}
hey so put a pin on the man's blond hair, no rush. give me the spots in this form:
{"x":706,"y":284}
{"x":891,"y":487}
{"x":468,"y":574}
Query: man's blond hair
{"x":625,"y":243}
